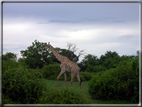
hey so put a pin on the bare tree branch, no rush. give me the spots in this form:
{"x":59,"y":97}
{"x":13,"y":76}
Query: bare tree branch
{"x":69,"y":45}
{"x":73,"y":48}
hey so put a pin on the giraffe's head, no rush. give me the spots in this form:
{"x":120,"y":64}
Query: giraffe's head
{"x":47,"y":46}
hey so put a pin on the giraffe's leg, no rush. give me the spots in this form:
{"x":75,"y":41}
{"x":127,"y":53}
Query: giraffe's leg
{"x":62,"y":71}
{"x":72,"y":78}
{"x":79,"y":80}
{"x":65,"y":76}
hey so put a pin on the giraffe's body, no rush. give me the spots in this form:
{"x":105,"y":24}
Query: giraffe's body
{"x":66,"y":66}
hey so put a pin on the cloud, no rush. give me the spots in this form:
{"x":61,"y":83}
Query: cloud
{"x":87,"y":20}
{"x":74,"y":12}
{"x":63,"y":21}
{"x":126,"y":37}
{"x":118,"y":21}
{"x":24,"y":32}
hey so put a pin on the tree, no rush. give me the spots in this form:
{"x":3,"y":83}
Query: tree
{"x":108,"y":55}
{"x":90,"y":60}
{"x":9,"y":61}
{"x":110,"y":59}
{"x":22,"y":62}
{"x":35,"y":56}
{"x":9,"y":56}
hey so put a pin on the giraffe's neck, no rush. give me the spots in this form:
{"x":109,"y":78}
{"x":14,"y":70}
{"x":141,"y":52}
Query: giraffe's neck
{"x":55,"y":53}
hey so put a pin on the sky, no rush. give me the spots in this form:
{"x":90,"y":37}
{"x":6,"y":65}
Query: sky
{"x":93,"y":27}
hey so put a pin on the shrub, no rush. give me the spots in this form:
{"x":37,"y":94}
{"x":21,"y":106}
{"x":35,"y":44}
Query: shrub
{"x":81,"y":77}
{"x":51,"y":71}
{"x":95,"y":69}
{"x":90,"y":68}
{"x":85,"y":76}
{"x":21,"y":86}
{"x":115,"y":83}
{"x":9,"y":64}
{"x":133,"y":83}
{"x":99,"y":68}
{"x":37,"y":73}
{"x":62,"y":96}
{"x":7,"y":100}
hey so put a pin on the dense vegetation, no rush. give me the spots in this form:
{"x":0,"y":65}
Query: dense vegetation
{"x":110,"y":77}
{"x":117,"y":83}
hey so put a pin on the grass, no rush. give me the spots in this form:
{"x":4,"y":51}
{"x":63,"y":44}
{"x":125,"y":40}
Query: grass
{"x":75,"y":86}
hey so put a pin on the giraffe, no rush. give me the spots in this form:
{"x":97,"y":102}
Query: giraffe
{"x":66,"y":66}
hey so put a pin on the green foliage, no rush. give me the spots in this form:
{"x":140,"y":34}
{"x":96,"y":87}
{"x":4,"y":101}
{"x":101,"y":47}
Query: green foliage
{"x":7,"y":100}
{"x":95,"y":69}
{"x":21,"y":85}
{"x":22,"y":62}
{"x":111,"y":62}
{"x":37,"y":73}
{"x":124,"y":59}
{"x":51,"y":71}
{"x":90,"y":68}
{"x":116,"y":83}
{"x":35,"y":56}
{"x":88,"y":60}
{"x":9,"y":56}
{"x":91,"y":63}
{"x":108,"y":55}
{"x":133,"y":82}
{"x":9,"y":64}
{"x":62,"y":96}
{"x":112,"y":77}
{"x":99,"y":68}
{"x":110,"y":59}
{"x":85,"y":76}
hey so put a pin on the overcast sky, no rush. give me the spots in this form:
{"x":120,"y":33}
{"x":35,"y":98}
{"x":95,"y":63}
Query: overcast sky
{"x":95,"y":27}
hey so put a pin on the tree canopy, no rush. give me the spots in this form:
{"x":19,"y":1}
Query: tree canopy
{"x":35,"y":56}
{"x":9,"y":56}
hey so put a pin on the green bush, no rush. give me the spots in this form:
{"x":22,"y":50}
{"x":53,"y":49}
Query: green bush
{"x":7,"y":100}
{"x":115,"y":83}
{"x":37,"y":73}
{"x":21,"y":86}
{"x":51,"y":71}
{"x":62,"y":96}
{"x":81,"y":77}
{"x":95,"y":69}
{"x":9,"y":64}
{"x":90,"y":68}
{"x":133,"y":83}
{"x":99,"y":68}
{"x":85,"y":76}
